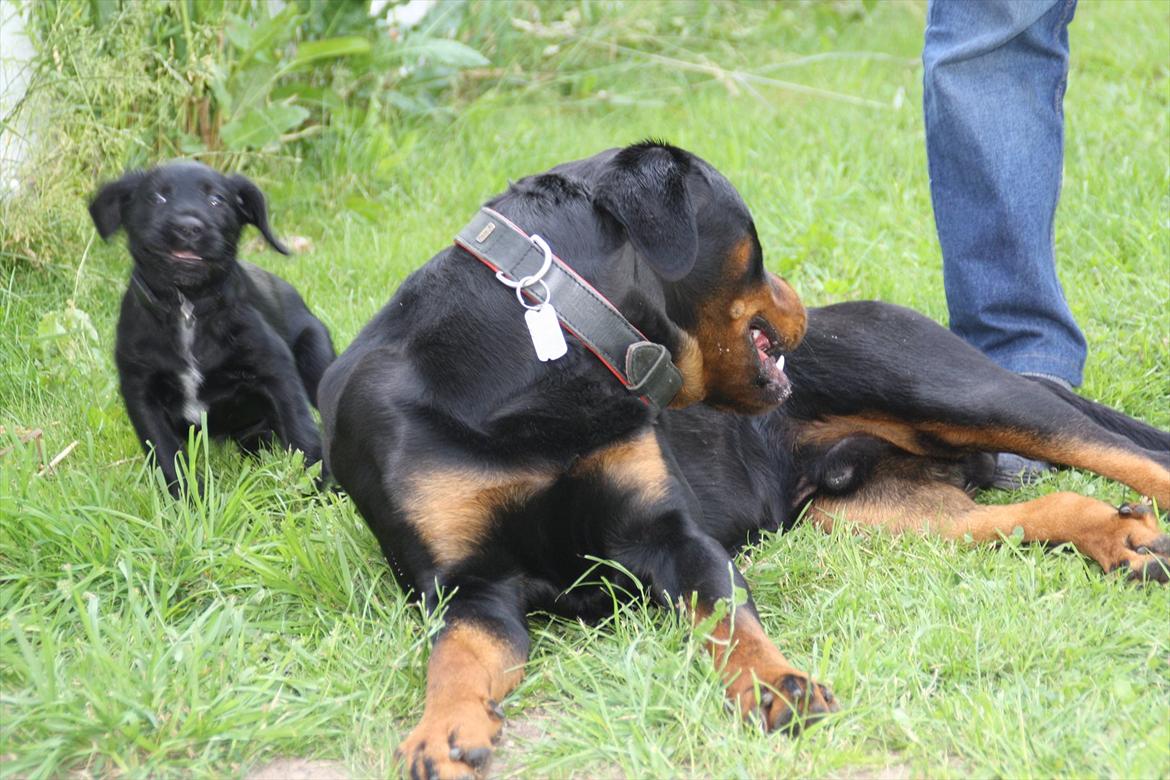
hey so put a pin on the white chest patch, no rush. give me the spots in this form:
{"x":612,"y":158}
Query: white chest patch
{"x":190,"y":378}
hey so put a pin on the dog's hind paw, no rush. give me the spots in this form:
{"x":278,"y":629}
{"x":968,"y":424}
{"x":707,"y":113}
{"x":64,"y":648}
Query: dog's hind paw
{"x":1145,"y":554}
{"x":1149,"y":560}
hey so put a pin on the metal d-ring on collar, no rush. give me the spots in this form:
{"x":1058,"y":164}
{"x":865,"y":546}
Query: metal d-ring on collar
{"x":524,"y":262}
{"x":521,"y":285}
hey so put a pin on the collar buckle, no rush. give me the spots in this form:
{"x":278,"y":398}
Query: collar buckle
{"x":652,"y":373}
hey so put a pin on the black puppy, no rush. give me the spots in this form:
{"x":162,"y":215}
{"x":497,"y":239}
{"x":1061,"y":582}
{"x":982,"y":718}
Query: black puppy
{"x":201,"y":331}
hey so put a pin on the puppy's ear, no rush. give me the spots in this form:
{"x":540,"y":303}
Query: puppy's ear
{"x":645,"y":189}
{"x":107,"y":207}
{"x":252,"y":209}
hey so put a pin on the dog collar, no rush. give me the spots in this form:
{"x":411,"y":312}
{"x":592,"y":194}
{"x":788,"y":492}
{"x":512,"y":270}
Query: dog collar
{"x":146,"y":296}
{"x":150,"y":300}
{"x":643,"y":367}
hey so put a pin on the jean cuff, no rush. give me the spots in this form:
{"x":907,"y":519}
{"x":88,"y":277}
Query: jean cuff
{"x":1062,"y":371}
{"x":1050,"y":377}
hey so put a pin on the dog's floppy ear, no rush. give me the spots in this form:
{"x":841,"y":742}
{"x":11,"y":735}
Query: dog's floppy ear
{"x":111,"y":200}
{"x":644,"y":188}
{"x":252,"y":209}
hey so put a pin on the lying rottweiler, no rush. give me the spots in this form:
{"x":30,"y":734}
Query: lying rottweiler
{"x":201,"y":332}
{"x":494,"y":479}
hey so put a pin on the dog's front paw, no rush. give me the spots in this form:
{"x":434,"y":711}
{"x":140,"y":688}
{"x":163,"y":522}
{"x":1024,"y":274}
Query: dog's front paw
{"x":786,"y":701}
{"x":1139,"y":545}
{"x":456,"y":743}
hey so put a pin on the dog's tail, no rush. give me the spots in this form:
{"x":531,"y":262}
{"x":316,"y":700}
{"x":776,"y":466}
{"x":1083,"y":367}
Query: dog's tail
{"x":1120,"y":423}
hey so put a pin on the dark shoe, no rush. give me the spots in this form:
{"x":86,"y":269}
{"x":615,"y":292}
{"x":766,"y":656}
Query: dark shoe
{"x":1012,"y":471}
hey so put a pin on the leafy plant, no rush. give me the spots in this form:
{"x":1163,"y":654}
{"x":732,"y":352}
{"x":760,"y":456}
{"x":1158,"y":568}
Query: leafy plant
{"x":275,"y":84}
{"x":68,"y":344}
{"x":124,"y":83}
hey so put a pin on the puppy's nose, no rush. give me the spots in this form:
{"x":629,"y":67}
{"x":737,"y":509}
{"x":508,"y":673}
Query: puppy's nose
{"x":188,"y":227}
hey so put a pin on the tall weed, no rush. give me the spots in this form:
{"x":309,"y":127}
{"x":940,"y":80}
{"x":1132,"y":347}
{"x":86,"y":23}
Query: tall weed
{"x":125,"y":83}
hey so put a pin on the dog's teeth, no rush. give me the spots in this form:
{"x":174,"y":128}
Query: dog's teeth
{"x":780,"y":362}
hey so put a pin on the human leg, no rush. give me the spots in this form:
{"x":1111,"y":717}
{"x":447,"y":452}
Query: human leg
{"x":994,"y":80}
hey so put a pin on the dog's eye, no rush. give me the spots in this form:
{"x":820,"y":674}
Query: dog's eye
{"x":158,"y":198}
{"x":215,"y":200}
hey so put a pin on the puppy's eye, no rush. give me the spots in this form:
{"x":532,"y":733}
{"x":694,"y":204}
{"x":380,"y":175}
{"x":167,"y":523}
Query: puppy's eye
{"x":214,"y":200}
{"x":158,"y":198}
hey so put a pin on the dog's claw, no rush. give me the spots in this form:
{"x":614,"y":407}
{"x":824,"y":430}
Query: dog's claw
{"x":1130,"y":509}
{"x":784,"y":723}
{"x":1154,"y":571}
{"x":1160,"y":546}
{"x":451,"y":746}
{"x":794,"y":690}
{"x":477,"y":757}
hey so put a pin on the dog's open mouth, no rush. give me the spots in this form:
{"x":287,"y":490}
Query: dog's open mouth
{"x":185,"y":254}
{"x":771,"y":360}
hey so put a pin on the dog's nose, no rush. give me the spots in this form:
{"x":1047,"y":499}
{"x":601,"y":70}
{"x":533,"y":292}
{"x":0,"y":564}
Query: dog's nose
{"x":188,"y":227}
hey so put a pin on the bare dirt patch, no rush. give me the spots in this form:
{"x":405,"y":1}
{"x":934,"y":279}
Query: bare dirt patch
{"x":508,"y":760}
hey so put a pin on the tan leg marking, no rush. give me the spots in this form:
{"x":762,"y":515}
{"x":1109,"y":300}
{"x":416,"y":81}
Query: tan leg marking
{"x":830,"y":430}
{"x":635,"y":465}
{"x":1126,"y":537}
{"x":897,"y":506}
{"x":452,"y":509}
{"x":1129,"y":468}
{"x":1144,"y":475}
{"x":468,"y":674}
{"x":760,"y":681}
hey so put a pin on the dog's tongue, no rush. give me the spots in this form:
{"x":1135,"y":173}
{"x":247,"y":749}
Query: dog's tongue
{"x":762,"y":343}
{"x":185,"y":254}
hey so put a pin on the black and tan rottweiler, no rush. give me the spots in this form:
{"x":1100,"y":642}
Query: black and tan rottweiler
{"x":498,"y":479}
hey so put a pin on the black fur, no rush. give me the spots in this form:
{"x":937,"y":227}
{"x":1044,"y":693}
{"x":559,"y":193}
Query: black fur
{"x":443,"y":380}
{"x":645,"y":189}
{"x":259,"y":351}
{"x":444,"y":374}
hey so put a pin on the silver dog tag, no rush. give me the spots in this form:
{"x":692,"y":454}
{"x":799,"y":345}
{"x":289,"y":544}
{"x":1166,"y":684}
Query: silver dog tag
{"x":545,"y":329}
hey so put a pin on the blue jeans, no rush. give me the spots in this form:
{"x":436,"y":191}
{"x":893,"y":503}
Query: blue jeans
{"x":993,"y":84}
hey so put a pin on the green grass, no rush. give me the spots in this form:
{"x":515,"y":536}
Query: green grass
{"x":139,"y":636}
